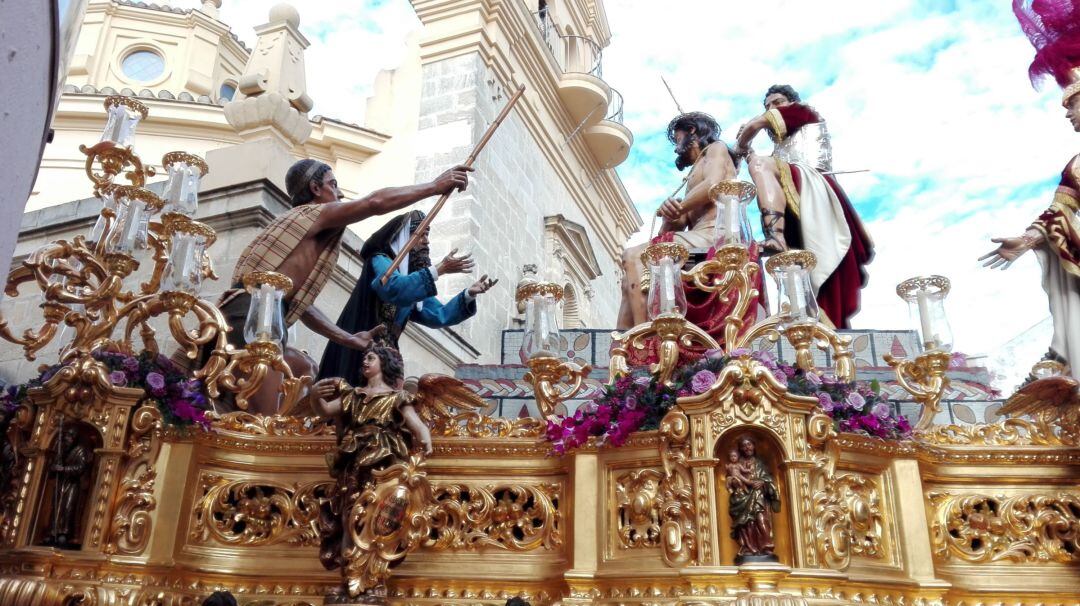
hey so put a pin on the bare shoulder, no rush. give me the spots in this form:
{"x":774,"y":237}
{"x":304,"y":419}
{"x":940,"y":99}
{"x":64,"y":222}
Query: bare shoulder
{"x":718,"y":163}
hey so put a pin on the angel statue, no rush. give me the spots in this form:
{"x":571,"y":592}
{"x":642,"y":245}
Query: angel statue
{"x":379,"y":509}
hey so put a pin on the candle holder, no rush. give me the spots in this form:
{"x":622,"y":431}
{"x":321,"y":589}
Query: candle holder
{"x":797,"y":310}
{"x":183,"y":272}
{"x":664,"y":261}
{"x":136,"y":206}
{"x":925,"y":297}
{"x":549,"y":376}
{"x":541,"y":337}
{"x":181,"y":192}
{"x":924,"y":378}
{"x":732,"y":227}
{"x":265,"y":320}
{"x":114,"y":153}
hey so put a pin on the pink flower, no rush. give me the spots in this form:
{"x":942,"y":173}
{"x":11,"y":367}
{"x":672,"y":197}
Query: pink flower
{"x":880,"y":410}
{"x":958,"y":360}
{"x":740,"y":352}
{"x":156,"y":382}
{"x":825,"y":401}
{"x":702,"y":381}
{"x":765,"y":357}
{"x":813,"y":378}
{"x":855,"y":401}
{"x":118,"y":378}
{"x":714,"y":354}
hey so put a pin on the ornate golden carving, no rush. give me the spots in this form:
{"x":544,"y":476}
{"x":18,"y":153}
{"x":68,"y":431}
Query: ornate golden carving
{"x":131,"y":521}
{"x":802,"y":258}
{"x":742,"y":190}
{"x":546,"y":372}
{"x":924,"y":378}
{"x":673,"y":250}
{"x":981,"y":528}
{"x":1007,"y":432}
{"x":276,"y":426}
{"x":515,"y":517}
{"x":471,"y":424}
{"x":177,"y":157}
{"x":638,"y":502}
{"x":729,"y":271}
{"x":257,"y":512}
{"x":677,"y":509}
{"x":388,"y":520}
{"x":278,"y":281}
{"x":529,"y":290}
{"x":909,"y":287}
{"x":671,"y":331}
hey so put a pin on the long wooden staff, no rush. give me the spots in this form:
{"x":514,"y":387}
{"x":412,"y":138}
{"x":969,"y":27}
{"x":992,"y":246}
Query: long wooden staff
{"x":442,"y":200}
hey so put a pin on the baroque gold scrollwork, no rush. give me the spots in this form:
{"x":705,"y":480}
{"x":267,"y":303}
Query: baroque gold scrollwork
{"x":1029,"y":528}
{"x":512,"y":517}
{"x":1007,"y":432}
{"x":677,"y":510}
{"x":131,"y":520}
{"x":637,"y":495}
{"x":258,"y":513}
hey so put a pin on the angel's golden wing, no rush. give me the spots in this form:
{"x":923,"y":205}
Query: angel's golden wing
{"x":1042,"y":396}
{"x":439,"y":397}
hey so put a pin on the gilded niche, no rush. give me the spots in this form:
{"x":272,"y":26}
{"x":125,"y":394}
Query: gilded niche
{"x":1021,"y":528}
{"x":637,"y":495}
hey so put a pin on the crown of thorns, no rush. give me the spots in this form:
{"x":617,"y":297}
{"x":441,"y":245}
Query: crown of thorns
{"x":691,"y":119}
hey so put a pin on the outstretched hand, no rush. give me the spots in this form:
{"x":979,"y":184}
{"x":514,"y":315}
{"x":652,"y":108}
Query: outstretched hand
{"x":1003,"y":256}
{"x":324,"y":388}
{"x":453,"y":264}
{"x":363,"y":339}
{"x":455,"y":179}
{"x":482,"y":285}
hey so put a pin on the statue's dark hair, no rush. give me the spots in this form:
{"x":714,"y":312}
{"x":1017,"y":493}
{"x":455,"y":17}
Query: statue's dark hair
{"x":297,"y":186}
{"x":420,"y":257}
{"x":783,"y":89}
{"x":393,"y":367}
{"x":220,"y":598}
{"x":517,"y":602}
{"x":701,"y":124}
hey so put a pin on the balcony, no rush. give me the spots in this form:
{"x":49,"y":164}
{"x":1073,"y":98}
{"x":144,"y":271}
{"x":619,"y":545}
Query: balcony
{"x":609,"y":140}
{"x":594,"y":106}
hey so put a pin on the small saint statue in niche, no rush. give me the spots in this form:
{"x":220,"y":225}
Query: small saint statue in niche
{"x":71,"y":461}
{"x":752,"y":499}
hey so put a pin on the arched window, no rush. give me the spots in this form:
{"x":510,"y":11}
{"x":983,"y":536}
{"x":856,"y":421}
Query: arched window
{"x":227,"y":91}
{"x":571,"y":313}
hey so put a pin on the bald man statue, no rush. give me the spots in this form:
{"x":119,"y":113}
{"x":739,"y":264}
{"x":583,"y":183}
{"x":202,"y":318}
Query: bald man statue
{"x":303,"y":244}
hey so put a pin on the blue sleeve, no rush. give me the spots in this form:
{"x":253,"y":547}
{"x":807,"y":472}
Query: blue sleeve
{"x":401,"y":290}
{"x":438,"y":315}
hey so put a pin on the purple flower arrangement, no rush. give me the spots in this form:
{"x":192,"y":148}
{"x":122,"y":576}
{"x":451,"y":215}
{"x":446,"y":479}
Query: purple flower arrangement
{"x":181,"y":400}
{"x":638,"y":402}
{"x":855,"y":407}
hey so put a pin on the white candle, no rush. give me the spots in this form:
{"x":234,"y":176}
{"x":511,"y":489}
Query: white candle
{"x":129,"y":233}
{"x":791,"y":284}
{"x":667,"y":295}
{"x":266,"y":311}
{"x":730,"y":220}
{"x":929,"y":339}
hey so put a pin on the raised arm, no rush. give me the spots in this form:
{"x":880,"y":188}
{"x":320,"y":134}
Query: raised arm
{"x":748,"y":132}
{"x":337,"y":215}
{"x":319,"y":398}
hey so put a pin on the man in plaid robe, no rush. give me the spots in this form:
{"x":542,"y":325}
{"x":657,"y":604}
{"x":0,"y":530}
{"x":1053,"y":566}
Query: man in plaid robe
{"x":303,"y":244}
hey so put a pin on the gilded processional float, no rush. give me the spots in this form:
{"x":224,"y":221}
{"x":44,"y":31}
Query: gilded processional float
{"x":706,"y":473}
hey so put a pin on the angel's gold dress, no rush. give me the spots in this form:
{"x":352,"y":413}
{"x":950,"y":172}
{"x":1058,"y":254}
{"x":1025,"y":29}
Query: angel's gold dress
{"x":372,"y":436}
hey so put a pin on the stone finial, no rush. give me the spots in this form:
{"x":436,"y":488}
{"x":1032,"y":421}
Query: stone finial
{"x":210,"y":8}
{"x":272,"y":97}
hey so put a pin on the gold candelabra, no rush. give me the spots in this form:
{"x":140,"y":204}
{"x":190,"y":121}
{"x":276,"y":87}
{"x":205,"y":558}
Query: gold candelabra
{"x":84,"y":281}
{"x":924,"y":375}
{"x":554,"y":379}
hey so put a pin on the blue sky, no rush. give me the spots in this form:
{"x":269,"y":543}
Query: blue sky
{"x":931,"y":96}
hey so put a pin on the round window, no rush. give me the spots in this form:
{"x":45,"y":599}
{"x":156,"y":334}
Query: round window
{"x":227,"y":92}
{"x":143,"y":65}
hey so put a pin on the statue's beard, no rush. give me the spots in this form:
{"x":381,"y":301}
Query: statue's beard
{"x":419,"y":259}
{"x":682,"y":153}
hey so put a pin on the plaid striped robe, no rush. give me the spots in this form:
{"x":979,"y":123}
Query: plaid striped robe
{"x":274,"y":244}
